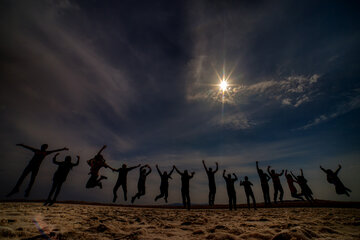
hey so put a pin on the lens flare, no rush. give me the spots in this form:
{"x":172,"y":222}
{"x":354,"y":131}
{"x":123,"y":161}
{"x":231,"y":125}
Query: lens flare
{"x":223,"y":85}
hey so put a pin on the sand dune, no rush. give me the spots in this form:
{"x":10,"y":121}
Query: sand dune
{"x":74,"y":221}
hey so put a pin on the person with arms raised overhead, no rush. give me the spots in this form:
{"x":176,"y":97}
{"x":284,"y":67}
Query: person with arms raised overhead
{"x":305,"y":189}
{"x":277,"y":184}
{"x":33,"y":166}
{"x":248,"y":191}
{"x":185,"y":185}
{"x":96,"y":164}
{"x":264,"y":179}
{"x":212,"y":186}
{"x":60,"y":177}
{"x":230,"y":189}
{"x":164,"y":186}
{"x":332,"y":177}
{"x":122,"y":180}
{"x":141,"y":182}
{"x":292,"y":188}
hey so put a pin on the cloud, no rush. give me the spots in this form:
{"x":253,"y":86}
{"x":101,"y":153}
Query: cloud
{"x":341,"y":109}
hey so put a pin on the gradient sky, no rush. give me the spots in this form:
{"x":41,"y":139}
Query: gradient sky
{"x":141,"y":78}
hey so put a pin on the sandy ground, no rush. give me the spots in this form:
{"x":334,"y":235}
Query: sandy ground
{"x":72,"y":221}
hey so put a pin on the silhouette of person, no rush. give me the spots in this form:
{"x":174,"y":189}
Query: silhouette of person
{"x":264,"y":179}
{"x":185,"y":192}
{"x":231,"y":189}
{"x":248,"y":191}
{"x":332,"y":178}
{"x":305,"y":189}
{"x":141,"y":182}
{"x":164,"y":186}
{"x":277,"y":184}
{"x":33,"y":166}
{"x":60,"y":177}
{"x":96,"y":164}
{"x":292,"y":188}
{"x":212,"y":186}
{"x":122,"y":180}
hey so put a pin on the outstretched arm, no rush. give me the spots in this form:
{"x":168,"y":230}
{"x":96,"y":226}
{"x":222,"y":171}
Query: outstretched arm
{"x":217,"y":167}
{"x":149,"y":170}
{"x":257,"y":166}
{"x":337,"y":171}
{"x":203,"y":162}
{"x":224,"y":174}
{"x":157,"y":168}
{"x":77,"y":162}
{"x":268,"y":169}
{"x":323,"y":169}
{"x":27,"y":147}
{"x":102,"y":149}
{"x":131,"y":168}
{"x":282,"y":172}
{"x":286,"y":172}
{"x":177,"y":170}
{"x":267,"y":177}
{"x":192,"y":175}
{"x":293,"y":175}
{"x":172,"y":170}
{"x":301,"y":171}
{"x":54,"y":159}
{"x":57,"y":150}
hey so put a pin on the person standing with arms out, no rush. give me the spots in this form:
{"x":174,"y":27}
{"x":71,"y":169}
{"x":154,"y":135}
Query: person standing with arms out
{"x":164,"y":186}
{"x":292,"y":188}
{"x":305,"y":189}
{"x":141,"y":182}
{"x":96,"y":164}
{"x":264,"y":179}
{"x":231,"y":189}
{"x":277,"y":184}
{"x":122,"y":180}
{"x":212,"y":186}
{"x":185,"y":184}
{"x":248,"y":191}
{"x":60,"y":177}
{"x":332,"y":177}
{"x":33,"y":166}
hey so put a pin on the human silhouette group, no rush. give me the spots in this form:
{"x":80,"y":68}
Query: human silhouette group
{"x":98,"y":162}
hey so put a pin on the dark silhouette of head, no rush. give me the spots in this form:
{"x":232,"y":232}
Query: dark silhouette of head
{"x":124,"y":165}
{"x":288,"y":176}
{"x":98,"y":157}
{"x":44,"y":147}
{"x":143,"y":171}
{"x":273,"y":171}
{"x":261,"y":171}
{"x":246,"y":178}
{"x":210,"y":169}
{"x":329,"y":171}
{"x":67,"y":159}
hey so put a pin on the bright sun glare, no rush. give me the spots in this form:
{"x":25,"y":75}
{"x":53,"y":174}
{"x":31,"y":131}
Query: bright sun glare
{"x":223,"y":85}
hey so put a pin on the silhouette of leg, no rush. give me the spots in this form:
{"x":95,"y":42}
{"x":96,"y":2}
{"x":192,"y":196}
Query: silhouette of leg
{"x":281,"y":190}
{"x":188,"y":200}
{"x":116,"y":187}
{"x":166,"y":195}
{"x":276,"y":189}
{"x":234,"y":201}
{"x":32,"y":180}
{"x":159,"y":196}
{"x":183,"y":195}
{"x":248,"y":200}
{"x":230,"y":201}
{"x":26,"y":171}
{"x":253,"y":198}
{"x":57,"y":192}
{"x":124,"y":187}
{"x":53,"y":187}
{"x":92,"y":182}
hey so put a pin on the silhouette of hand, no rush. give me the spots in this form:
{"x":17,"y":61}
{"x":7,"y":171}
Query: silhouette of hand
{"x":66,"y":149}
{"x":203,"y":161}
{"x":339,"y":165}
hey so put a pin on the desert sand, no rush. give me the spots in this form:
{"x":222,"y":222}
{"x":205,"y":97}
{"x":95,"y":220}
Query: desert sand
{"x":74,"y":221}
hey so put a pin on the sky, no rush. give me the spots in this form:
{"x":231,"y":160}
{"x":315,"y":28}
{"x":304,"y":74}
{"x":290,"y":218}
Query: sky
{"x":143,"y":78}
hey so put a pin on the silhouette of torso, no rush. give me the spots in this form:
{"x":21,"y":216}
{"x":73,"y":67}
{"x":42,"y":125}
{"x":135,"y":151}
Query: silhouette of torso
{"x":123,"y":175}
{"x":247,"y":186}
{"x":290,"y":182}
{"x":62,"y":171}
{"x":276,"y":179}
{"x":263,"y":178}
{"x":164,"y":181}
{"x":142,"y":178}
{"x":38,"y":158}
{"x":185,"y":179}
{"x":230,"y":185}
{"x":211,"y":177}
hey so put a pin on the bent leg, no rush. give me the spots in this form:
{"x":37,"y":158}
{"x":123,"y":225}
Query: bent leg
{"x":32,"y":180}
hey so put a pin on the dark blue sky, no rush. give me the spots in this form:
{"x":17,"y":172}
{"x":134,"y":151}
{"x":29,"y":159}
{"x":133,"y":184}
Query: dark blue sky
{"x":141,"y":78}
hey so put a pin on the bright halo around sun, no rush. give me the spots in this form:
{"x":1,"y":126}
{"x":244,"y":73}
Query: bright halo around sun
{"x":223,"y":85}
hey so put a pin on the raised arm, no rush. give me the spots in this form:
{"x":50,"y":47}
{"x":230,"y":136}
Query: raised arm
{"x":177,"y":170}
{"x":149,"y":170}
{"x":282,"y":172}
{"x":293,"y":175}
{"x":203,"y":162}
{"x":217,"y":167}
{"x":301,"y":171}
{"x":77,"y":162}
{"x":57,"y":150}
{"x":192,"y":175}
{"x":236,"y":178}
{"x":257,"y":166}
{"x":54,"y":159}
{"x":323,"y":169}
{"x":102,"y":149}
{"x":224,"y":174}
{"x":157,"y":168}
{"x":27,"y":147}
{"x":268,"y":170}
{"x":337,"y":171}
{"x":267,"y":177}
{"x":172,"y":170}
{"x":286,"y":172}
{"x":131,"y":168}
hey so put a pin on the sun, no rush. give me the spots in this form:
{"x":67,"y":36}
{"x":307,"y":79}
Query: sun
{"x":223,"y":85}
